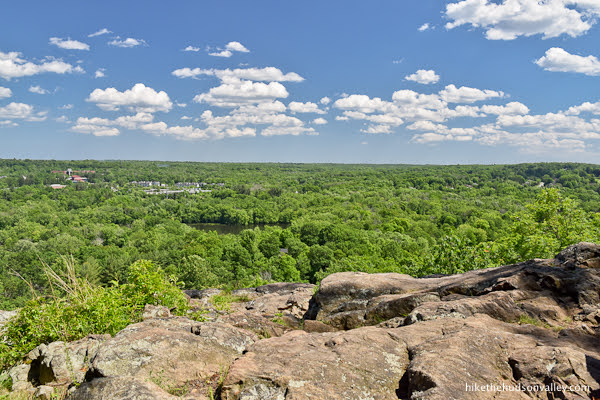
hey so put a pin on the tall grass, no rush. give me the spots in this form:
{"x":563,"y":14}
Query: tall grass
{"x":75,"y":308}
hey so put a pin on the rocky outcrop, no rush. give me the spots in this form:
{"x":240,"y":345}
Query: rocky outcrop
{"x":56,"y":364}
{"x":177,"y":352}
{"x":550,"y":290}
{"x":299,"y":365}
{"x":523,"y":331}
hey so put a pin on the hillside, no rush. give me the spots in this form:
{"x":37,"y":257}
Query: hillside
{"x":477,"y":335}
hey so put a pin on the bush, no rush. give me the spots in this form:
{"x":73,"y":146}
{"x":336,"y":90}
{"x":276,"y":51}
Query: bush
{"x":78,"y":308}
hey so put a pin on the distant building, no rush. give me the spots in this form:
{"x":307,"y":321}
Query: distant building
{"x":77,"y":178}
{"x":57,"y":186}
{"x":146,"y":183}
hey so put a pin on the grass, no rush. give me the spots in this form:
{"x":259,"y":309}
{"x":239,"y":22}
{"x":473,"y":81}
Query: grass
{"x":278,"y":319}
{"x":222,"y":302}
{"x":526,"y":319}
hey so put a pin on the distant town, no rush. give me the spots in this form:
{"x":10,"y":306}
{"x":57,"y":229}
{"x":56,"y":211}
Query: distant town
{"x":155,"y":187}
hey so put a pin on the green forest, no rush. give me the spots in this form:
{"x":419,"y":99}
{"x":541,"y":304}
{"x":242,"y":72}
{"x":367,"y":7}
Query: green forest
{"x":293,"y":222}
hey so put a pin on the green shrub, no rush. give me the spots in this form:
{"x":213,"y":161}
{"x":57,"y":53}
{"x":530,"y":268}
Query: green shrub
{"x":78,"y":308}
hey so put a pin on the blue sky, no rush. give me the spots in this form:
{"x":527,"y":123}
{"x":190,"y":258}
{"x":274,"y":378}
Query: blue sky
{"x":444,"y":82}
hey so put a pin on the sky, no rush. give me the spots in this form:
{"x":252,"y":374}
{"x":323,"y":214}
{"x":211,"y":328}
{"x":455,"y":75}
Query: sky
{"x":415,"y":82}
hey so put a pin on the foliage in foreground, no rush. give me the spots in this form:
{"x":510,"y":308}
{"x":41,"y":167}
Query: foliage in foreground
{"x":77,"y":308}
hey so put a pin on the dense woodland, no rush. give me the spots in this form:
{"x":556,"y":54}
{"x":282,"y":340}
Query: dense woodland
{"x":314,"y":220}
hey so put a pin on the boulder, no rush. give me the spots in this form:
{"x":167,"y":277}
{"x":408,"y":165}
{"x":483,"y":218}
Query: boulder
{"x":291,"y":299}
{"x":299,"y":365}
{"x":259,"y":325}
{"x":57,"y":363}
{"x":182,"y":352}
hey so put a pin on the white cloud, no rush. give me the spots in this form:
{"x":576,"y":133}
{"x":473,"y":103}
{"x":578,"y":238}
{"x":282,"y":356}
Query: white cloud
{"x":559,"y":60}
{"x":376,"y":129}
{"x":464,"y":94}
{"x":229,"y":49}
{"x":512,"y":108}
{"x":66,"y":107}
{"x":325,"y":101}
{"x":267,"y":74}
{"x":363,"y":103}
{"x":5,"y":92}
{"x":38,"y":90}
{"x":127,"y":43}
{"x":69,"y":44}
{"x":102,"y":31}
{"x":290,"y":130}
{"x":424,"y":77}
{"x":308,"y":107}
{"x":586,"y":107}
{"x":100,"y":73}
{"x":107,"y":127}
{"x":513,"y":18}
{"x":181,"y":105}
{"x":138,"y":98}
{"x":236,"y":46}
{"x":424,"y":27}
{"x":21,"y":111}
{"x":192,"y":48}
{"x":512,"y":124}
{"x":222,"y":53}
{"x":237,"y":93}
{"x":96,"y":130}
{"x":319,"y":121}
{"x":13,"y":66}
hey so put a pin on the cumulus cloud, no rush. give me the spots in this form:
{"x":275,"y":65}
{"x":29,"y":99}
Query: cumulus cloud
{"x":376,"y":129}
{"x":423,"y":76}
{"x":192,"y":48}
{"x":102,"y":31}
{"x":108,"y":127}
{"x":229,"y":49}
{"x":237,"y":92}
{"x":21,"y":111}
{"x":587,"y":107}
{"x":325,"y":101}
{"x":222,"y":53}
{"x":319,"y":121}
{"x":13,"y":66}
{"x":236,"y":46}
{"x":267,"y":74}
{"x":5,"y":92}
{"x":513,"y":18}
{"x":138,"y":98}
{"x":424,"y":27}
{"x":428,"y":118}
{"x":308,"y":107}
{"x":127,"y":43}
{"x":100,"y":73}
{"x":38,"y":90}
{"x":69,"y":44}
{"x":464,"y":94}
{"x":559,"y":60}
